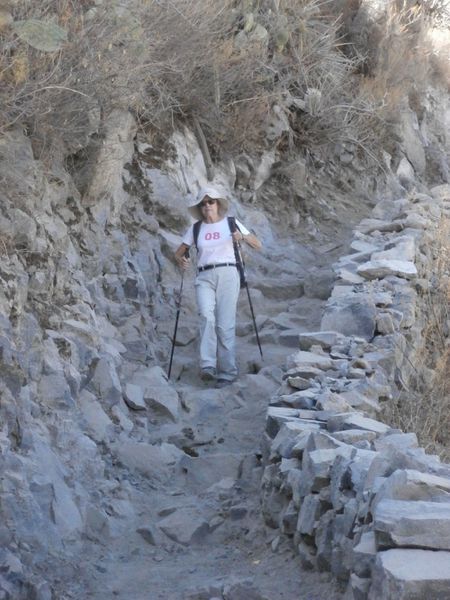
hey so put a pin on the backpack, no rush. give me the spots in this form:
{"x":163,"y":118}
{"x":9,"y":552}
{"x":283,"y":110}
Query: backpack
{"x":239,"y":260}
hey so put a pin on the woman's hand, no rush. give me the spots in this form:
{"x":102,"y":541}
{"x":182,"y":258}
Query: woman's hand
{"x":182,"y":257}
{"x":249,"y":239}
{"x":184,"y":262}
{"x":237,"y":236}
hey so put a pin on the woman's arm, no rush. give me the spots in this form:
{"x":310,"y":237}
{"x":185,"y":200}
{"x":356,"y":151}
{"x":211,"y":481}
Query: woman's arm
{"x":249,"y":239}
{"x":182,"y":257}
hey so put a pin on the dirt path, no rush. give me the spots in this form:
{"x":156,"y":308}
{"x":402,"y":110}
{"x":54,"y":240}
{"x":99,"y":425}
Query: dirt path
{"x":197,"y":533}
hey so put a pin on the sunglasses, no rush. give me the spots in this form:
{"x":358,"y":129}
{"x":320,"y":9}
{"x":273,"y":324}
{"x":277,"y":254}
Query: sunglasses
{"x":210,"y":201}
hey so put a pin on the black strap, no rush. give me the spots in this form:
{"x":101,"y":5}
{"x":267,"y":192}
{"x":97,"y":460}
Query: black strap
{"x":233,"y":226}
{"x":196,"y":231}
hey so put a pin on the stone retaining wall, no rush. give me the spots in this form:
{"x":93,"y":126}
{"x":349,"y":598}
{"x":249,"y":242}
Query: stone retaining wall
{"x":357,"y":497}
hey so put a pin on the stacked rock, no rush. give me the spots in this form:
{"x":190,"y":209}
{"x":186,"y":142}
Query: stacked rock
{"x":359,"y":498}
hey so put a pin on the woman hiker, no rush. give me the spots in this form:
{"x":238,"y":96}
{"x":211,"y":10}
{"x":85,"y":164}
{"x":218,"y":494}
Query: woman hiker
{"x":217,"y":283}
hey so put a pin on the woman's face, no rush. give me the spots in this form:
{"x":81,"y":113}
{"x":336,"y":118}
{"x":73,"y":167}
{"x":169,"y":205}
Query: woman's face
{"x":210,"y":209}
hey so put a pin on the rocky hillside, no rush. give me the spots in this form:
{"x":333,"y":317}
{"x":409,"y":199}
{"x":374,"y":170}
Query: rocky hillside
{"x":114,"y":478}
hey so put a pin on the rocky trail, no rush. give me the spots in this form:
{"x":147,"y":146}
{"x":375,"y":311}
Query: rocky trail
{"x":199,"y":533}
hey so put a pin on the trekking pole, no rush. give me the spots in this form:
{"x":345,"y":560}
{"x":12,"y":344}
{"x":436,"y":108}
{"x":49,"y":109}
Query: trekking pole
{"x":237,"y":249}
{"x":178,"y":304}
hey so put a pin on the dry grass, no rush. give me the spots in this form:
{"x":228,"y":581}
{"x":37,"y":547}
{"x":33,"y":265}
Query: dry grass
{"x":423,"y":405}
{"x":222,"y":63}
{"x":183,"y":59}
{"x":406,"y":60}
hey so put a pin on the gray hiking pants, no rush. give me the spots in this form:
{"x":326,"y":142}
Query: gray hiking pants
{"x":217,"y":295}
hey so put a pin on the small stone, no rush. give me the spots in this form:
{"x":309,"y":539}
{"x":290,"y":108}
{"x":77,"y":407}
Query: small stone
{"x":134,"y":397}
{"x":147,"y":534}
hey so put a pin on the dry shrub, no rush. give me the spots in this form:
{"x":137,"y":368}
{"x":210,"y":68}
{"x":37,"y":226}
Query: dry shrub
{"x":402,"y":60}
{"x":423,"y":406}
{"x":225,"y":63}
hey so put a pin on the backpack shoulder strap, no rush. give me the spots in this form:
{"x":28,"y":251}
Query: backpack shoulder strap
{"x":196,"y":231}
{"x":232,"y":224}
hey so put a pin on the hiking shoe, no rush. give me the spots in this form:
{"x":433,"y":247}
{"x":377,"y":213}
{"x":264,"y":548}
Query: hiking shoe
{"x":208,"y":374}
{"x":221,"y":383}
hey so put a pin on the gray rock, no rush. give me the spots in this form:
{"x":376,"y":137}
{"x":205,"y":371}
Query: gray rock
{"x":324,"y":540}
{"x":158,"y":393}
{"x":206,"y":593}
{"x":352,"y":318}
{"x":302,"y":442}
{"x":243,"y":591}
{"x":289,"y":338}
{"x":292,"y":483}
{"x":279,"y":289}
{"x":288,"y":519}
{"x":55,"y":392}
{"x":148,"y":534}
{"x":385,"y":324}
{"x":405,"y":574}
{"x":23,"y":228}
{"x":362,"y":245}
{"x":353,"y":436}
{"x":134,"y":397}
{"x":153,"y":461}
{"x":356,"y":421}
{"x":358,"y":587}
{"x":97,"y":524}
{"x":296,"y":400}
{"x":106,"y":179}
{"x":347,"y":275}
{"x":316,"y":466}
{"x":105,"y":382}
{"x":306,"y":372}
{"x":368,"y":226}
{"x":362,"y":460}
{"x":186,"y":526}
{"x":329,"y":401}
{"x":307,"y":556}
{"x":325,"y":339}
{"x":361,"y":402}
{"x":186,"y":335}
{"x":407,"y":484}
{"x":286,"y":438}
{"x":398,"y":440}
{"x":319,"y":283}
{"x":276,"y":415}
{"x":272,"y":505}
{"x":285,"y":321}
{"x":66,"y":514}
{"x":319,"y":440}
{"x":364,"y":554}
{"x":299,"y":383}
{"x":412,"y":524}
{"x":118,"y":412}
{"x":302,"y":359}
{"x":311,"y":510}
{"x":415,"y":221}
{"x":378,"y":269}
{"x":203,"y":471}
{"x":404,"y":249}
